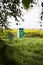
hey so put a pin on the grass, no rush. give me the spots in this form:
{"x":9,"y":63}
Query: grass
{"x":25,"y":51}
{"x":30,"y":51}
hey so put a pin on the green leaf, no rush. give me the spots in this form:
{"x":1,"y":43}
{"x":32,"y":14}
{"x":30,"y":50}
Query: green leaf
{"x":26,"y":3}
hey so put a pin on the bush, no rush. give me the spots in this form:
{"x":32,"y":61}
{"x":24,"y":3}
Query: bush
{"x":33,"y":34}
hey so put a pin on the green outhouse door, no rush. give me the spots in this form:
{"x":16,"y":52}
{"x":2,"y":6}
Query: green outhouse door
{"x":20,"y":32}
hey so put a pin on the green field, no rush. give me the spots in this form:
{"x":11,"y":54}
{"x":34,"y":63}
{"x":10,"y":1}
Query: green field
{"x":23,"y":51}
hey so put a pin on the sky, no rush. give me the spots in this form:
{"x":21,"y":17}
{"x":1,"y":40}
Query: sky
{"x":31,"y":17}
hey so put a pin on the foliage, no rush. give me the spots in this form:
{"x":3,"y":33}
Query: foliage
{"x":33,"y":34}
{"x":26,"y":3}
{"x":11,"y":8}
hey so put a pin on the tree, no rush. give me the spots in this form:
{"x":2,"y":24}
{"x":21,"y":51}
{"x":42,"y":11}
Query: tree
{"x":8,"y":8}
{"x":11,"y":8}
{"x":26,"y":3}
{"x":41,"y":17}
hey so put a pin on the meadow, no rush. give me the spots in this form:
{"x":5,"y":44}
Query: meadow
{"x":20,"y":51}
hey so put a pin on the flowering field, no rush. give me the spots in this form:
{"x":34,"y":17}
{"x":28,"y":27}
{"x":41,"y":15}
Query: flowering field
{"x":39,"y":31}
{"x":27,"y":33}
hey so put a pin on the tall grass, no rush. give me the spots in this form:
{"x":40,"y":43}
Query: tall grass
{"x":23,"y":51}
